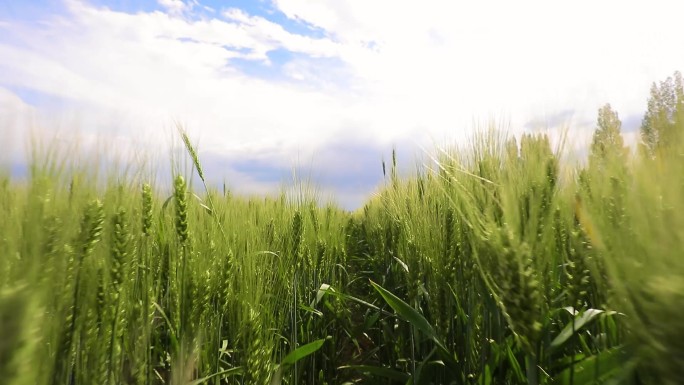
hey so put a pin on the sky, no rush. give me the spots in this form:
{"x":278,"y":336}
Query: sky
{"x":327,"y":87}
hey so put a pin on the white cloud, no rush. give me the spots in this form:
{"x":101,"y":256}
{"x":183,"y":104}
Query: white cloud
{"x":520,"y":58}
{"x":133,"y":66}
{"x":385,"y":72}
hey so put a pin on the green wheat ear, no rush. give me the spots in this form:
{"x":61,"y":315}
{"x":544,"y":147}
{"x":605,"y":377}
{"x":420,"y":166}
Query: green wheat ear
{"x":180,"y":195}
{"x":119,"y":252}
{"x":191,"y":150}
{"x":91,"y":227}
{"x":146,"y":209}
{"x":90,"y":234}
{"x":257,"y":353}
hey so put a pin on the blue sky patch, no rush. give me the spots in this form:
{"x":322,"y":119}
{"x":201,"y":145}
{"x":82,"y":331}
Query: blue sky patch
{"x":19,"y":170}
{"x":256,"y":69}
{"x":30,"y":12}
{"x":242,"y":50}
{"x":261,"y":171}
{"x":211,"y":9}
{"x":271,"y":70}
{"x":315,"y":71}
{"x":267,"y":10}
{"x":34,"y":97}
{"x":128,"y":6}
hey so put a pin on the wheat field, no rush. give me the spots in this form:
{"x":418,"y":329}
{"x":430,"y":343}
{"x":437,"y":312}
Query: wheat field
{"x":497,"y":265}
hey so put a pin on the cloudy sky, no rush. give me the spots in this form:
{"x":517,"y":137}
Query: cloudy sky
{"x":327,"y":85}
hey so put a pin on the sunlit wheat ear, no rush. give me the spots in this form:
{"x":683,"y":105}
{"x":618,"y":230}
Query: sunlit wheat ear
{"x":180,"y":195}
{"x":119,"y":253}
{"x":89,"y":235}
{"x":257,"y":358}
{"x":146,"y":209}
{"x":91,"y":227}
{"x":191,"y":150}
{"x":321,"y":248}
{"x":119,"y":248}
{"x":146,"y":288}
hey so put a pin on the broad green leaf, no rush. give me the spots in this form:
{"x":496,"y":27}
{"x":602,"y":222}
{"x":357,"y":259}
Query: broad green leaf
{"x":406,"y":312}
{"x":515,"y":365}
{"x":302,"y":352}
{"x":486,"y":376}
{"x":322,"y":291}
{"x":295,"y":356}
{"x":579,"y":322}
{"x":595,"y":369}
{"x":411,"y":315}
